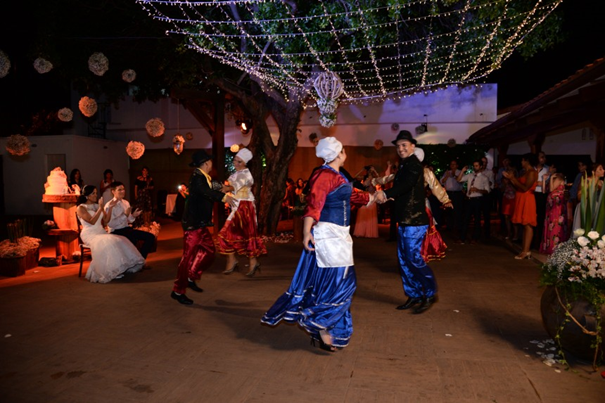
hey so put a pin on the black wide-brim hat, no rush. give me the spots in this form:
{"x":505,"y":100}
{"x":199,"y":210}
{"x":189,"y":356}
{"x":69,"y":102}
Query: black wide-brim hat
{"x":199,"y":157}
{"x":404,"y":135}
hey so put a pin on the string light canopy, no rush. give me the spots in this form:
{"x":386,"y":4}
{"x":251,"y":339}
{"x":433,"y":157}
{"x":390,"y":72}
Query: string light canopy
{"x":378,"y":49}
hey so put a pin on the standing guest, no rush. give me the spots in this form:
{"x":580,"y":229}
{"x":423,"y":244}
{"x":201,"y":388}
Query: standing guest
{"x":477,"y":186}
{"x":525,"y":202}
{"x":319,"y":297}
{"x":179,"y":204}
{"x":366,"y":221}
{"x":540,"y":195}
{"x":143,"y":186}
{"x":488,"y":200}
{"x":112,"y":255}
{"x":499,"y":191}
{"x":240,"y":232}
{"x":555,"y":223}
{"x":105,"y":186}
{"x":76,"y":183}
{"x":120,"y":217}
{"x":198,"y":246}
{"x":573,"y":192}
{"x":418,"y":280}
{"x":299,"y":209}
{"x":456,"y":195}
{"x":288,"y":202}
{"x":508,"y":205}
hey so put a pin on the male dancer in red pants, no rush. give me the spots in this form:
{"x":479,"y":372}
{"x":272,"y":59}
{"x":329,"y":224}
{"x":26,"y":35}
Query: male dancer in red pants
{"x":198,"y":246}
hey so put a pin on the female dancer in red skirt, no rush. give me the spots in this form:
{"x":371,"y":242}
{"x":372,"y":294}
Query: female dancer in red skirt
{"x":240,"y":233}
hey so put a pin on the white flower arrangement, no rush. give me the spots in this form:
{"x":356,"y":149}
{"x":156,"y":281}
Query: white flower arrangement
{"x":155,"y":127}
{"x":327,"y":106}
{"x":129,"y":75}
{"x":88,"y":106}
{"x":18,"y":145}
{"x":5,"y":64}
{"x":65,"y":115}
{"x":98,"y":63}
{"x":42,"y":66}
{"x":135,"y":150}
{"x":327,"y":120}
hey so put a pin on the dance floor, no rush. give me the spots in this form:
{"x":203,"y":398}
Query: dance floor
{"x":64,"y":339}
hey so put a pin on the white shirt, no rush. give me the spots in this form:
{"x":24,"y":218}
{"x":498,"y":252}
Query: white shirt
{"x":489,"y":174}
{"x":541,"y":173}
{"x":451,"y":184}
{"x":476,"y":180}
{"x":119,"y":219}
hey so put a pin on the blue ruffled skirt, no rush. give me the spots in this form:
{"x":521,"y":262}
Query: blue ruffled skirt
{"x":319,"y":298}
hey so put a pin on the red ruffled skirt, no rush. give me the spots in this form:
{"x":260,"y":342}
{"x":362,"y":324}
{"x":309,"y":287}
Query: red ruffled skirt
{"x":240,"y":234}
{"x":433,"y":247}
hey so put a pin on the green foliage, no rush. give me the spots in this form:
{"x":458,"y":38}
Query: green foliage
{"x":440,"y":155}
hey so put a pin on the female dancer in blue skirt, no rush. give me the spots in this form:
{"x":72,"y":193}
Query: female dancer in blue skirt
{"x":319,"y":297}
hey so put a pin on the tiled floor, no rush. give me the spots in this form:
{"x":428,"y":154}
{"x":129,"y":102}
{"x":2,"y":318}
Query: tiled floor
{"x":64,"y":339}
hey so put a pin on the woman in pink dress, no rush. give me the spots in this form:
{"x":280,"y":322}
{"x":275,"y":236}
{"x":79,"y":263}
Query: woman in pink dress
{"x":555,"y":224}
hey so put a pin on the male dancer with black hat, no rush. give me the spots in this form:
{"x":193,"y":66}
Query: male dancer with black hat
{"x":408,"y":191}
{"x":198,"y":246}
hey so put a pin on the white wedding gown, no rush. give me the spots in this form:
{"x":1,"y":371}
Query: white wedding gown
{"x":112,"y":255}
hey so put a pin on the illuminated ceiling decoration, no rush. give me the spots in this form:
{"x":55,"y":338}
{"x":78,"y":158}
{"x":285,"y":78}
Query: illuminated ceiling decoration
{"x":379,"y":49}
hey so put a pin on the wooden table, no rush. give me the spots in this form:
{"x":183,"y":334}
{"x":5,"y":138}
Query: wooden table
{"x":66,"y":233}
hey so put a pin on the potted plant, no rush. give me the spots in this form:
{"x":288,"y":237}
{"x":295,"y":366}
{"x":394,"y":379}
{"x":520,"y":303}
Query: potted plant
{"x":573,"y":304}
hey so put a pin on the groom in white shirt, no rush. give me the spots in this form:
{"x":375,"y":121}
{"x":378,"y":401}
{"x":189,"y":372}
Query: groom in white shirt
{"x":121,"y":215}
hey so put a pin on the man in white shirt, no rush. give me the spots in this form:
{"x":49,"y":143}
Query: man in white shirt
{"x":540,"y":196}
{"x":453,"y":217}
{"x":121,"y":217}
{"x":477,"y":186}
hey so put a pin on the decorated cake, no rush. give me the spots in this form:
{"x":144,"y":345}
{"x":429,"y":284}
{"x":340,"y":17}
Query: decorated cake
{"x":56,"y":183}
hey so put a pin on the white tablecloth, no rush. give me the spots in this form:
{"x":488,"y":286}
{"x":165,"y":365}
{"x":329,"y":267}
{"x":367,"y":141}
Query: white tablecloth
{"x":170,"y":203}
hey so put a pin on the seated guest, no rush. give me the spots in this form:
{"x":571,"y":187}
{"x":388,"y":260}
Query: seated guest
{"x":112,"y":255}
{"x":120,"y":217}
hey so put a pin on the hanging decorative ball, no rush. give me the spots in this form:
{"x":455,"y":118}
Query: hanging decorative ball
{"x":88,"y":106}
{"x":155,"y":127}
{"x":189,"y":136}
{"x":234,"y":148}
{"x":18,"y":145}
{"x":395,"y":127}
{"x":42,"y":66}
{"x":378,"y":144}
{"x":451,"y":143}
{"x":65,"y":115}
{"x":129,"y":75}
{"x":98,"y":63}
{"x":178,"y":144}
{"x":328,"y":85}
{"x":135,"y":150}
{"x":5,"y":64}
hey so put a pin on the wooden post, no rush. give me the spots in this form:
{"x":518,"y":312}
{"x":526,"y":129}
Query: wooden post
{"x":218,"y":151}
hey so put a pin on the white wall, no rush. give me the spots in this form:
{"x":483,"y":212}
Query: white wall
{"x":451,"y":113}
{"x":24,"y":177}
{"x":575,"y":142}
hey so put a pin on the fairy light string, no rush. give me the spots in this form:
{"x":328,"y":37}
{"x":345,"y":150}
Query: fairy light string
{"x":379,"y":52}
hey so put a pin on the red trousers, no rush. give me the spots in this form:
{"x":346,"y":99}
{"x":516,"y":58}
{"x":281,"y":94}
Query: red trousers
{"x":198,"y":255}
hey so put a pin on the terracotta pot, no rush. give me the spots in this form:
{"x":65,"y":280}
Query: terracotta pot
{"x":572,"y":338}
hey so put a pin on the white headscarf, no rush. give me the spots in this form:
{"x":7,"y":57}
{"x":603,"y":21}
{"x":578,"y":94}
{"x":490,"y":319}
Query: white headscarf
{"x":419,"y":153}
{"x":328,"y":149}
{"x":244,"y":154}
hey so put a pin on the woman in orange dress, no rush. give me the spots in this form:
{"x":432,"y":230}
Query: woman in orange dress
{"x":525,"y":202}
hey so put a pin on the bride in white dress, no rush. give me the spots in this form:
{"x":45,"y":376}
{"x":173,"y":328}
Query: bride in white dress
{"x":112,"y":255}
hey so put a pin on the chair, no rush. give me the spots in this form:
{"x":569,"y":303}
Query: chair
{"x":84,"y":249}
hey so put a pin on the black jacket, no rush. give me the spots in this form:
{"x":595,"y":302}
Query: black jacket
{"x":408,"y":192}
{"x":199,"y":204}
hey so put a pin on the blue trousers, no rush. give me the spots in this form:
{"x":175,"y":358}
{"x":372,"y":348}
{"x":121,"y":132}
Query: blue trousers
{"x":417,"y":277}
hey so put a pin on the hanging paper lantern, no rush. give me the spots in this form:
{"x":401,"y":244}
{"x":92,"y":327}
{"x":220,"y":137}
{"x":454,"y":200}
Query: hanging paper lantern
{"x":189,"y":136}
{"x":18,"y":145}
{"x":451,"y":143}
{"x":155,"y":127}
{"x":234,"y":148}
{"x":88,"y":106}
{"x":178,"y":144}
{"x":65,"y":115}
{"x":42,"y":66}
{"x":98,"y":63}
{"x":329,"y":87}
{"x":129,"y":75}
{"x":5,"y":64}
{"x":378,"y":144}
{"x":135,"y":150}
